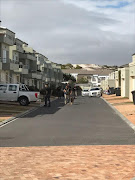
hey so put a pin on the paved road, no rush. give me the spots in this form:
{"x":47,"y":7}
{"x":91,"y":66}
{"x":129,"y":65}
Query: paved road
{"x":90,"y":121}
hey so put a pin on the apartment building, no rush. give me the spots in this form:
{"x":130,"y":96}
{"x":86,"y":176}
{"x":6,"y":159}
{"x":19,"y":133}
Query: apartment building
{"x":132,"y":76}
{"x":105,"y":84}
{"x":14,"y":55}
{"x":8,"y":65}
{"x":29,"y":60}
{"x":20,"y":63}
{"x":125,"y":82}
{"x":118,"y":78}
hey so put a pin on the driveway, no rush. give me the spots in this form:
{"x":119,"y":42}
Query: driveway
{"x":90,"y":121}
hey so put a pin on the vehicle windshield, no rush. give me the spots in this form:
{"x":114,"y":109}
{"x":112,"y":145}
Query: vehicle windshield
{"x":94,"y":89}
{"x":85,"y":90}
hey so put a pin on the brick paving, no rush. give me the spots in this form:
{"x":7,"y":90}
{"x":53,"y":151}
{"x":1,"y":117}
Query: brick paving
{"x":68,"y":163}
{"x":123,"y":105}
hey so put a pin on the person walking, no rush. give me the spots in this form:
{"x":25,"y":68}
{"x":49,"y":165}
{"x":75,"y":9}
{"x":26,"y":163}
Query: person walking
{"x":65,"y":94}
{"x":68,"y":93}
{"x":47,"y":95}
{"x":72,"y":97}
{"x":74,"y":92}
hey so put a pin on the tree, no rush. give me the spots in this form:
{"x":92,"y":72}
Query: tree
{"x":82,"y":80}
{"x":66,"y":66}
{"x":69,"y":66}
{"x":78,"y":67}
{"x":67,"y":77}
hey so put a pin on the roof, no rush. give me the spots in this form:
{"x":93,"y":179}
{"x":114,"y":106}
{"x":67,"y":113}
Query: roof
{"x":102,"y":72}
{"x":6,"y":29}
{"x":19,"y":40}
{"x":125,"y":65}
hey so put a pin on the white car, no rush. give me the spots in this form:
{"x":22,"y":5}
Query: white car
{"x":85,"y":92}
{"x":95,"y":92}
{"x":19,"y":93}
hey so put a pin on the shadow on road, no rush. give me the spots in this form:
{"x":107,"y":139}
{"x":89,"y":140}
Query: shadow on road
{"x":56,"y":105}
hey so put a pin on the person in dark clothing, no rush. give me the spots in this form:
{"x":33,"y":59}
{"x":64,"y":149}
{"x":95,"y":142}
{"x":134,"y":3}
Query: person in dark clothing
{"x":74,"y":92}
{"x":65,"y":94}
{"x":71,"y":96}
{"x":59,"y":92}
{"x":47,"y":95}
{"x":68,"y":93}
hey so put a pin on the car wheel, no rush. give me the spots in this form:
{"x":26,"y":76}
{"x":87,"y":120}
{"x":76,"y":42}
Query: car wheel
{"x":23,"y":101}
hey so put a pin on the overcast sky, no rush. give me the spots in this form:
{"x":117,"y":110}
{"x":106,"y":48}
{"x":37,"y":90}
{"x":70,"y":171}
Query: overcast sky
{"x":75,"y":31}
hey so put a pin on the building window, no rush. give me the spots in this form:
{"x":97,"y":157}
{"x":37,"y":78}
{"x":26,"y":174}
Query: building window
{"x":4,"y":56}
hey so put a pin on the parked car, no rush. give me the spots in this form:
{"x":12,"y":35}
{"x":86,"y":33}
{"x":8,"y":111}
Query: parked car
{"x":85,"y":92}
{"x":19,"y":93}
{"x":95,"y":92}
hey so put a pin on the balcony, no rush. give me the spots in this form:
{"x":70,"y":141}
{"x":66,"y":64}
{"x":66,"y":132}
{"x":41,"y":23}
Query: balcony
{"x":4,"y":38}
{"x":23,"y":69}
{"x":8,"y":64}
{"x":45,"y":65}
{"x":28,"y":56}
{"x":17,"y":48}
{"x":55,"y":70}
{"x":52,"y":79}
{"x":39,"y":76}
{"x":44,"y":78}
{"x":33,"y":75}
{"x":48,"y":79}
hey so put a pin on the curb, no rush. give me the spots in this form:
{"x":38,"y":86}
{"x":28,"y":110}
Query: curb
{"x":121,"y":115}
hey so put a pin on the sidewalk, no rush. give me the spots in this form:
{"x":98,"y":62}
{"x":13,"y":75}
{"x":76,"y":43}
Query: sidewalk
{"x":123,"y":105}
{"x":68,"y":163}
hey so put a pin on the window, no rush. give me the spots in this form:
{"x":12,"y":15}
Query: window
{"x":3,"y":87}
{"x":12,"y":87}
{"x":4,"y":56}
{"x":93,"y":78}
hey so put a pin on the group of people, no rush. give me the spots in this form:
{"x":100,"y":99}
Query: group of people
{"x":69,"y":94}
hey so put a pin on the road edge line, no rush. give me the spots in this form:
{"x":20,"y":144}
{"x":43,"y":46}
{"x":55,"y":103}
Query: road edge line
{"x":130,"y":124}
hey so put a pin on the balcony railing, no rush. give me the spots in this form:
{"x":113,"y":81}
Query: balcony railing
{"x":7,"y":60}
{"x":8,"y":64}
{"x":7,"y":39}
{"x":28,"y":56}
